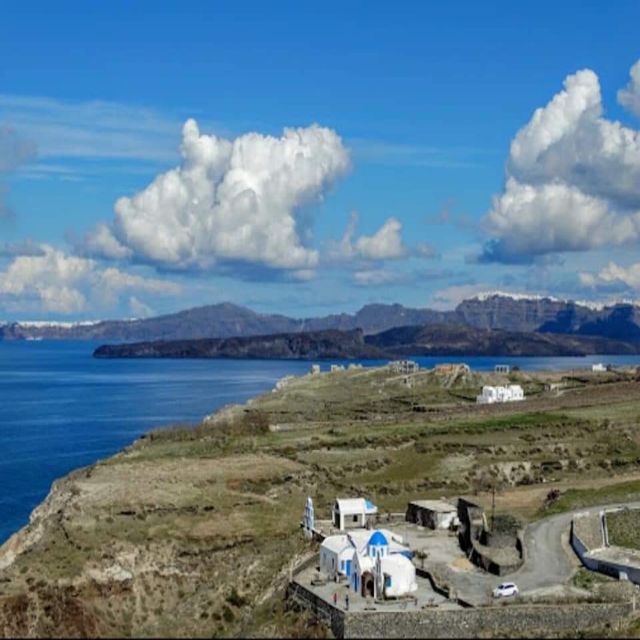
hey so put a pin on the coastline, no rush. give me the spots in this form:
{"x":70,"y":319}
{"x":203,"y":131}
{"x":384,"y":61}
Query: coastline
{"x":202,"y":522}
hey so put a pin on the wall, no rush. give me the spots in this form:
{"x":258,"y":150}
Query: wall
{"x":498,"y":621}
{"x":473,"y":528}
{"x":495,"y":621}
{"x":607,"y":567}
{"x":324,"y":611}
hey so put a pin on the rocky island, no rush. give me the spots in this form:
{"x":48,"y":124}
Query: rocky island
{"x":429,"y":340}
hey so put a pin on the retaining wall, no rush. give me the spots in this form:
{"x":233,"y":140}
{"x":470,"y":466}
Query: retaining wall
{"x":582,"y":540}
{"x":324,"y":611}
{"x":499,"y":621}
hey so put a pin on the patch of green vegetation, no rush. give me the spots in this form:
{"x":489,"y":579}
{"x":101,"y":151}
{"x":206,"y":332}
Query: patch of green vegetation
{"x":623,"y":527}
{"x":578,"y":498}
{"x":585,"y":579}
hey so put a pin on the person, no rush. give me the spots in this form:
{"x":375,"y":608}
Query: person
{"x":335,"y":598}
{"x":346,"y":601}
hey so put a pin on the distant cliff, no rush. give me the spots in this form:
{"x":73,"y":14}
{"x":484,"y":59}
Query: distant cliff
{"x":457,"y":339}
{"x":315,"y":345}
{"x":499,"y":311}
{"x":449,"y":339}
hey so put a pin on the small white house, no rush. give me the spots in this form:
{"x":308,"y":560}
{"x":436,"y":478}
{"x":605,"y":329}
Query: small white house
{"x":598,"y":368}
{"x":336,"y":556}
{"x":315,"y":369}
{"x":435,"y":514}
{"x":509,"y":393}
{"x":352,"y":512}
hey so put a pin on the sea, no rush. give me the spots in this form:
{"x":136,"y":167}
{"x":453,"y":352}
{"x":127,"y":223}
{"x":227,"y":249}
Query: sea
{"x":61,"y":409}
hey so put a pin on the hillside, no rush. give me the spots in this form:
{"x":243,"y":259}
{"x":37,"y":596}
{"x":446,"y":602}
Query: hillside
{"x":191,"y":531}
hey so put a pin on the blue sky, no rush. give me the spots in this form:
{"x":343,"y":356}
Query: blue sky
{"x":418,"y":108}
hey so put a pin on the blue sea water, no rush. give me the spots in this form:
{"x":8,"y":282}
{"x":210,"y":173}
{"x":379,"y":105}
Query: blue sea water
{"x":61,"y":409}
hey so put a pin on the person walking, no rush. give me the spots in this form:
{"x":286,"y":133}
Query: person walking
{"x":346,"y":602}
{"x":335,"y":598}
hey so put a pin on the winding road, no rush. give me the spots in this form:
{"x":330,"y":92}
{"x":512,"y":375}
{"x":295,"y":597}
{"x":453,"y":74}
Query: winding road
{"x":549,"y":560}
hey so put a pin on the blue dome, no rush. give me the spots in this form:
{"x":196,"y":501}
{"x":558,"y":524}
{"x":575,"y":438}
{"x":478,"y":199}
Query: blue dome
{"x":378,"y":539}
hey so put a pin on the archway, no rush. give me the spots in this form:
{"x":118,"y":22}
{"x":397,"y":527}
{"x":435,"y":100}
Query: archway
{"x":368,"y":585}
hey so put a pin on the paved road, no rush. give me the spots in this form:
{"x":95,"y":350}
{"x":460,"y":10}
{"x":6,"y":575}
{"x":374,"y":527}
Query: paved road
{"x":549,"y":562}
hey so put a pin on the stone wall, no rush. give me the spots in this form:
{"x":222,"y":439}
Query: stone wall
{"x":324,"y":611}
{"x":498,"y":621}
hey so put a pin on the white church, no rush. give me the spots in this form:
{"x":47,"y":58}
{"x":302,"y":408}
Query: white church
{"x":376,"y":563}
{"x":508,"y":393}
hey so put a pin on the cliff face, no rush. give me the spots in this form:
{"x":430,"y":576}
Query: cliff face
{"x":510,"y":314}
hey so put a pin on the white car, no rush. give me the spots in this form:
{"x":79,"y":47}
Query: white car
{"x":505,"y":590}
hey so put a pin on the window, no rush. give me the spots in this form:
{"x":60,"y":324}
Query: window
{"x":355,"y":518}
{"x":387,"y":581}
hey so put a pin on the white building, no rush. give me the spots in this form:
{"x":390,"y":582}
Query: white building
{"x":435,"y":514}
{"x":352,"y":512}
{"x":382,"y":568}
{"x":599,"y":367}
{"x":336,"y":556}
{"x":404,"y":366}
{"x":509,"y":393}
{"x":376,"y":563}
{"x":315,"y":369}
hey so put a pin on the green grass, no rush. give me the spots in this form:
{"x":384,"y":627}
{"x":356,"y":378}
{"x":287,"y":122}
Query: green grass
{"x":579,"y":498}
{"x":624,"y":528}
{"x":585,"y":579}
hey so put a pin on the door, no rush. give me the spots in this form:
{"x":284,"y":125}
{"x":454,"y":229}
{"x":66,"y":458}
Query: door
{"x":348,"y":568}
{"x":368,"y":588}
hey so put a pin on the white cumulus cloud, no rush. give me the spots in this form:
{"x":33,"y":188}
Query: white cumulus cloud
{"x":55,"y":282}
{"x":629,"y":97}
{"x":614,"y":274}
{"x":573,"y":180}
{"x":385,"y":244}
{"x":229,"y":201}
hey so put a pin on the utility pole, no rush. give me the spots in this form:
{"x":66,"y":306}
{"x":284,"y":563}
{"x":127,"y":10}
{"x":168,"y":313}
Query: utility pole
{"x":493,"y":504}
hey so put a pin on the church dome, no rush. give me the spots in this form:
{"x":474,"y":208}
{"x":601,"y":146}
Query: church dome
{"x":378,"y":539}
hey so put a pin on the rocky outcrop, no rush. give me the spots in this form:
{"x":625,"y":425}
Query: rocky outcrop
{"x":452,"y":339}
{"x":305,"y":346}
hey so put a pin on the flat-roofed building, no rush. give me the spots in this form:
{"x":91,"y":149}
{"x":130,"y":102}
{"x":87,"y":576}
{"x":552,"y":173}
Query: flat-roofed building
{"x":435,"y":514}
